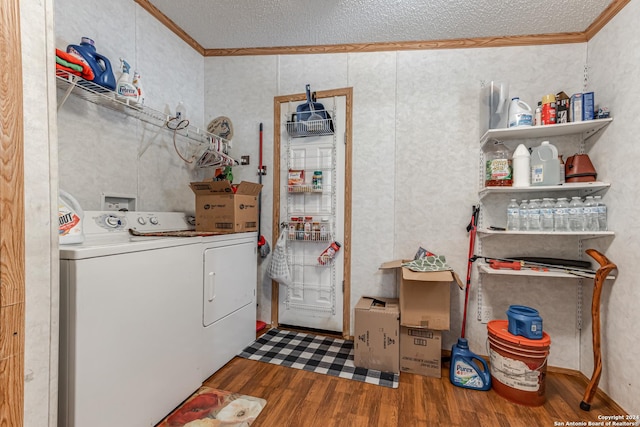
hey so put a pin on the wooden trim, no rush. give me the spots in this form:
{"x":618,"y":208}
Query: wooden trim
{"x":478,"y":42}
{"x":277,"y":103}
{"x":167,"y":22}
{"x":12,"y":274}
{"x":607,"y":15}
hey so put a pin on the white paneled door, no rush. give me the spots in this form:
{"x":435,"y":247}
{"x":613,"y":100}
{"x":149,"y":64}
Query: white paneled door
{"x":313,"y":214}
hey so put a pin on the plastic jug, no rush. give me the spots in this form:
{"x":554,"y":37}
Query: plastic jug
{"x":524,"y":321}
{"x":468,"y":370}
{"x":99,"y":64}
{"x":521,"y":167}
{"x":545,"y":165}
{"x":70,"y":219}
{"x":520,"y":114}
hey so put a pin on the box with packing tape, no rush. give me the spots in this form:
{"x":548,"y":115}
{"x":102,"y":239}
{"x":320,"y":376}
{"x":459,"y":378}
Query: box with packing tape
{"x":425,"y":296}
{"x":220,"y":209}
{"x":377,"y":334}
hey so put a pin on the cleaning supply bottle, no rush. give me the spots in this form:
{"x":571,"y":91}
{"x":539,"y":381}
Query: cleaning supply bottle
{"x":468,"y":370}
{"x":138,"y":86}
{"x":125,"y":90}
{"x":520,"y":114}
{"x":99,"y":64}
{"x":70,"y":219}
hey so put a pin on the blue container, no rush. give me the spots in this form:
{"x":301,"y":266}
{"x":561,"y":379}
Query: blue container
{"x":468,"y":370}
{"x":524,"y":321}
{"x":99,"y":64}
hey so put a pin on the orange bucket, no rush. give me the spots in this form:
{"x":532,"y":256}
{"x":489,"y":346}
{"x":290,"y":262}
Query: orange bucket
{"x":518,"y":364}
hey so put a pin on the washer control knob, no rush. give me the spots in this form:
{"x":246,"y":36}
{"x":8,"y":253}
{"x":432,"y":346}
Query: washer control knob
{"x":153,"y":220}
{"x":112,"y":221}
{"x":141,"y":220}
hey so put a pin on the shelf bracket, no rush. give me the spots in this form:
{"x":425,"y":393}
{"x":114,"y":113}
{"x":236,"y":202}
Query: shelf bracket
{"x":72,"y":85}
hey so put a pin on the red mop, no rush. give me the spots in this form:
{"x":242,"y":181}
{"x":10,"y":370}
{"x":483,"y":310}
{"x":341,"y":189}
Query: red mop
{"x":471,"y":228}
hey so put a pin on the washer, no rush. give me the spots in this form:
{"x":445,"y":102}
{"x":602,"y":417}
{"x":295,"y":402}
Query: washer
{"x":229,"y":303}
{"x":130,"y":321}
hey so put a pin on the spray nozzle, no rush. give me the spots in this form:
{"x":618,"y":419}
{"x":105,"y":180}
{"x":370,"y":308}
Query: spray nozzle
{"x":124,"y":66}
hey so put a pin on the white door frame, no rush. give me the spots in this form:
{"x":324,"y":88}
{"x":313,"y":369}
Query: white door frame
{"x":278,"y":101}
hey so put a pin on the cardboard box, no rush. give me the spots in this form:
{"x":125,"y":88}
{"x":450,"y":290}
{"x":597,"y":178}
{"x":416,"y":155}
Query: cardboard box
{"x":377,"y":334}
{"x":562,"y":107}
{"x":575,"y":109}
{"x":421,"y":351}
{"x":218,"y":209}
{"x":425,"y":297}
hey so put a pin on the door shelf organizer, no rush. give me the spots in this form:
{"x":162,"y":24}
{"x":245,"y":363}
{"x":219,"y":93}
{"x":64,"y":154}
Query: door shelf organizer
{"x":212,"y":148}
{"x":493,"y":200}
{"x":311,"y":147}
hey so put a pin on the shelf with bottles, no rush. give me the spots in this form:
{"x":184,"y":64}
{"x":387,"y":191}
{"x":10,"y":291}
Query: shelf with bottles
{"x":586,"y":128}
{"x":309,"y":229}
{"x":580,"y":188}
{"x":212,"y":149}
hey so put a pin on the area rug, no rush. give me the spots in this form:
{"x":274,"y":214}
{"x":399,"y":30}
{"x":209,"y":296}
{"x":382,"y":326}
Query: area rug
{"x":314,"y":353}
{"x":209,"y":407}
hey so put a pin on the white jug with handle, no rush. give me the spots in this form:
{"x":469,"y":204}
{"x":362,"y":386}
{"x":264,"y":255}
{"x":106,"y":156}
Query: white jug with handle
{"x":520,"y":114}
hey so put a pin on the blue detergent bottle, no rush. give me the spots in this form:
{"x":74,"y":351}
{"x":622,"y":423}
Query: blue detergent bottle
{"x":464,"y":371}
{"x":99,"y":64}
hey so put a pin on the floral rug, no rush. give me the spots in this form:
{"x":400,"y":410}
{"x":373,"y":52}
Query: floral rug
{"x":209,"y":407}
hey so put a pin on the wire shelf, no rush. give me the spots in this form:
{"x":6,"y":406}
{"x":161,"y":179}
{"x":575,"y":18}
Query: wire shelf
{"x":212,"y":148}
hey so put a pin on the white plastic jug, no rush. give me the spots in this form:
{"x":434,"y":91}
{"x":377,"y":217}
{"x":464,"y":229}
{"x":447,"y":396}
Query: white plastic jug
{"x":521,"y":167}
{"x":70,"y":219}
{"x":545,"y":165}
{"x":520,"y":114}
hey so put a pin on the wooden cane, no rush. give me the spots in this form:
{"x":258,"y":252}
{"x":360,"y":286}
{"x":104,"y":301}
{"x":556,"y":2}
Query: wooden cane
{"x":606,"y":267}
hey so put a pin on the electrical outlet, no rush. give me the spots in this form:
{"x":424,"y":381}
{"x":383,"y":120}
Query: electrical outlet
{"x":244,"y":160}
{"x":487,"y":314}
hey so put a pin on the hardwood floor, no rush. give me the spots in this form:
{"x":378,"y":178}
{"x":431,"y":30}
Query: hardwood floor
{"x":299,"y":398}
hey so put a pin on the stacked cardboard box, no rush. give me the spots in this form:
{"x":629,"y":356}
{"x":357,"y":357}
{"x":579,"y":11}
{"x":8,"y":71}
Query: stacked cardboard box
{"x":425,"y":299}
{"x":377,"y":334}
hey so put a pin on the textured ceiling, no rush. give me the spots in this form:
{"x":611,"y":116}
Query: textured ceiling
{"x":226,"y":24}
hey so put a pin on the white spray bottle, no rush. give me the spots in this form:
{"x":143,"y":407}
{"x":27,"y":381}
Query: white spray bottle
{"x":138,"y":86}
{"x":70,"y":219}
{"x":124,"y":89}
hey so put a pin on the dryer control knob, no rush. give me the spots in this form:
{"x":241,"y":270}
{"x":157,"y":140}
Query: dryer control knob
{"x":141,"y":220}
{"x":112,"y":221}
{"x":153,"y":220}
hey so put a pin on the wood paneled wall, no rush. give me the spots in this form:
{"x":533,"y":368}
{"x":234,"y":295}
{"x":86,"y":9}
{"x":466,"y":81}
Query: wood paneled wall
{"x":12,"y":289}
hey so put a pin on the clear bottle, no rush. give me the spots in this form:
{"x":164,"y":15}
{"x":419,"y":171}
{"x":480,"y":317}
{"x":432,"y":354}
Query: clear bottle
{"x":513,"y":216}
{"x":561,"y":215}
{"x":524,"y":215}
{"x":602,"y":213}
{"x":324,"y":229}
{"x":534,"y":215}
{"x":307,"y":227}
{"x":499,"y":167}
{"x":576,"y":214}
{"x":546,"y":214}
{"x":590,"y":214}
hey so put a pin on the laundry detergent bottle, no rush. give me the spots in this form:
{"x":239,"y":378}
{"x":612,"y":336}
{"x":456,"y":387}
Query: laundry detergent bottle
{"x":468,"y":370}
{"x":70,"y":219}
{"x":99,"y":64}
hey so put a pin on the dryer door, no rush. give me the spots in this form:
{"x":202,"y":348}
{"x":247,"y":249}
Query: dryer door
{"x":229,"y":279}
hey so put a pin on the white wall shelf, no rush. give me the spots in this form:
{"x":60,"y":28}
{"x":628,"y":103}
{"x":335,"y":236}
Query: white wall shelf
{"x":213,"y":148}
{"x":582,"y":234}
{"x":586,"y":128}
{"x":581,"y":188}
{"x":527,"y":272}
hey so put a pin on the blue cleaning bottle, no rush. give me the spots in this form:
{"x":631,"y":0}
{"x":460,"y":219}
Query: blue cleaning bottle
{"x":99,"y":64}
{"x":464,"y":371}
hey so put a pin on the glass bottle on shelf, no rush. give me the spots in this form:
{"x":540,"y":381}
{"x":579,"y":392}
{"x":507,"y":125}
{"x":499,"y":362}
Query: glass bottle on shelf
{"x":324,"y":229}
{"x":307,"y":227}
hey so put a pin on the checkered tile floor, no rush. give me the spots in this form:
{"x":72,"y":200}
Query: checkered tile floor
{"x":314,"y":353}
